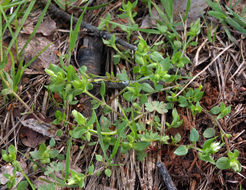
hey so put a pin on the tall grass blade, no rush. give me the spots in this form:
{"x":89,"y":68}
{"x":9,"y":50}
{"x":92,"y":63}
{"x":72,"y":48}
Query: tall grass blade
{"x":36,"y":26}
{"x":68,"y":155}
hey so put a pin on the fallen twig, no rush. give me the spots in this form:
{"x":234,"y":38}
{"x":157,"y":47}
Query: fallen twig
{"x":56,"y":12}
{"x":165,"y":176}
{"x":224,"y":50}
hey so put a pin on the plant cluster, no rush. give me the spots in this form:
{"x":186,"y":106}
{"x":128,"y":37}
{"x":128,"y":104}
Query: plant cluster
{"x":153,"y":71}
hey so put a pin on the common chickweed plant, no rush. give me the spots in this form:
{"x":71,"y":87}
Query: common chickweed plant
{"x":153,"y":72}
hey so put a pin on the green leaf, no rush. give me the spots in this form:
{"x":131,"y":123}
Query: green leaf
{"x":147,"y":88}
{"x":194,"y":28}
{"x":177,"y":138}
{"x":233,"y":155}
{"x":71,"y":73}
{"x":215,"y":110}
{"x":105,"y":123}
{"x":208,"y":142}
{"x":162,"y":28}
{"x":79,"y":118}
{"x":59,"y":133}
{"x":22,"y":185}
{"x":223,"y":163}
{"x":194,"y":136}
{"x":52,"y":142}
{"x":100,"y":137}
{"x":108,"y":172}
{"x":78,"y":132}
{"x":42,"y":147}
{"x":129,"y":96}
{"x":35,"y":155}
{"x":181,"y":150}
{"x":123,"y":76}
{"x":125,"y":147}
{"x":143,"y":99}
{"x":224,"y":111}
{"x":206,"y":157}
{"x":177,"y":44}
{"x":219,"y":15}
{"x":102,"y":89}
{"x":99,"y":158}
{"x":54,"y":153}
{"x":116,"y":59}
{"x":182,"y":101}
{"x":141,"y":155}
{"x":91,"y":169}
{"x":209,"y":132}
{"x":160,"y":107}
{"x":5,"y":156}
{"x":6,"y":91}
{"x":149,"y":107}
{"x":140,"y":146}
{"x":74,"y":34}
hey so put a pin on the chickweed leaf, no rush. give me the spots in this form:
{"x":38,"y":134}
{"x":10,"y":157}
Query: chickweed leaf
{"x":102,"y":89}
{"x":140,"y":146}
{"x":143,"y":99}
{"x":209,"y":132}
{"x":177,"y":138}
{"x":223,"y":163}
{"x":22,"y":185}
{"x":52,"y":142}
{"x":181,"y":150}
{"x":123,"y":76}
{"x":129,"y":96}
{"x":79,"y":118}
{"x":182,"y":101}
{"x":99,"y":158}
{"x":108,"y":172}
{"x":194,"y":136}
{"x":59,"y":133}
{"x":215,"y":110}
{"x":116,"y":59}
{"x":147,"y":88}
{"x":91,"y":169}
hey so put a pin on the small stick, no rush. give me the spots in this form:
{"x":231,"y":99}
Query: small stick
{"x":165,"y":176}
{"x":205,"y":68}
{"x":56,"y":12}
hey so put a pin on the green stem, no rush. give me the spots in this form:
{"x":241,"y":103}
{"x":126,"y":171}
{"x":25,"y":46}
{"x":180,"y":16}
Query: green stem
{"x":128,"y":122}
{"x":27,"y":178}
{"x":102,"y":103}
{"x":104,"y":133}
{"x":17,"y":96}
{"x":217,"y":123}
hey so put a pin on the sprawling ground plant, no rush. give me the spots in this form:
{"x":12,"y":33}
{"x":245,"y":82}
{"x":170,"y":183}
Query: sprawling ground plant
{"x":151,"y":72}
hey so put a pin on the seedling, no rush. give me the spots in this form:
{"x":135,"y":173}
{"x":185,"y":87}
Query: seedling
{"x":222,"y":110}
{"x":176,"y":122}
{"x":191,"y":100}
{"x":44,"y":154}
{"x":11,"y":157}
{"x":230,"y":162}
{"x":209,"y":148}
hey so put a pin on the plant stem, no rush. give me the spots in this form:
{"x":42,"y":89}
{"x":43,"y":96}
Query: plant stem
{"x":102,"y":103}
{"x":17,"y":96}
{"x":217,"y":123}
{"x":104,"y":133}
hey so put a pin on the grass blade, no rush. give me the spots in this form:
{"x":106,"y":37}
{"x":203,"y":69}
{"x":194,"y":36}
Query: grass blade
{"x":67,"y":162}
